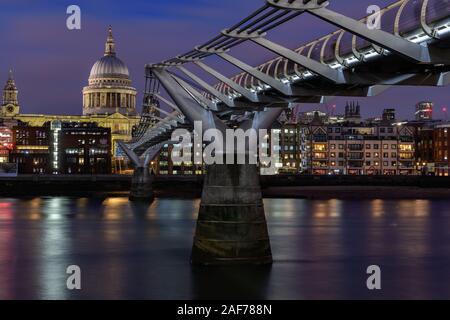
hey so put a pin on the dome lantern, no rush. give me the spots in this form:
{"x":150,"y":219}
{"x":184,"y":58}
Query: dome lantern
{"x":110,"y":46}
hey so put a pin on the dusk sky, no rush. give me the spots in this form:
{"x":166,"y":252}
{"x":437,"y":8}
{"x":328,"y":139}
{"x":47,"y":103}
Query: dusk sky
{"x":52,"y":64}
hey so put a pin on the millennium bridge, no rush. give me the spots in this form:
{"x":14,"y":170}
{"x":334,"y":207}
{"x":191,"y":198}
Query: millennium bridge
{"x":406,"y":44}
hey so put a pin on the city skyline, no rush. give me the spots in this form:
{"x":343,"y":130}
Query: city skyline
{"x":177,"y":151}
{"x":52,"y":57}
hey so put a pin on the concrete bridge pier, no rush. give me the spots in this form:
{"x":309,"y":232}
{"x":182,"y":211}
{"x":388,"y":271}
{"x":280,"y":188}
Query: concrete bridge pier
{"x":231,"y":226}
{"x":142,"y":181}
{"x":142,"y":185}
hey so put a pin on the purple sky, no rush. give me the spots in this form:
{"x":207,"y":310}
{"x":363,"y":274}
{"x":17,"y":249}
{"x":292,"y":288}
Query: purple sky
{"x":51,"y":64}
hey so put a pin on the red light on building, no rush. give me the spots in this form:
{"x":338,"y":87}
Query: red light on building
{"x":6,"y":143}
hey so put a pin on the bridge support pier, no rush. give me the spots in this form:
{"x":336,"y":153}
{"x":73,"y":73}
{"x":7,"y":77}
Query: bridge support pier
{"x":142,"y":185}
{"x":231,"y":226}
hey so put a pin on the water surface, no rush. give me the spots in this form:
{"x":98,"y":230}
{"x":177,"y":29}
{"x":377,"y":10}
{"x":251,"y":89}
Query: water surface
{"x":321,"y":250}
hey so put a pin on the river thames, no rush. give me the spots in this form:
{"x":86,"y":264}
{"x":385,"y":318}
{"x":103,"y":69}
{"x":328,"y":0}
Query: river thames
{"x":321,"y":250}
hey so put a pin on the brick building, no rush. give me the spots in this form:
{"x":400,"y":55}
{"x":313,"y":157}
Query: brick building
{"x":31,"y":149}
{"x":80,"y":148}
{"x":441,"y":137}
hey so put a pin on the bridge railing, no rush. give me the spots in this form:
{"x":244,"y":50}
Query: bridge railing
{"x":405,"y":18}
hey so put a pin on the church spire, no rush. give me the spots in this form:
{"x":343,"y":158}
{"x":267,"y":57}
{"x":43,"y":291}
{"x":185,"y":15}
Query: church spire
{"x":10,"y":83}
{"x":10,"y":92}
{"x":110,"y":47}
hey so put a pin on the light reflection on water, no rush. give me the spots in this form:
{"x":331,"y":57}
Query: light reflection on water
{"x":126,"y":250}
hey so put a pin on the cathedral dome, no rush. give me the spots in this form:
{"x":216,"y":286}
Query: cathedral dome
{"x":109,"y":67}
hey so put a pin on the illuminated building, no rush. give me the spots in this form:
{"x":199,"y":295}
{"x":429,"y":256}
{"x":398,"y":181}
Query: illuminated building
{"x":80,"y":148}
{"x":357,"y":150}
{"x":109,"y":100}
{"x":31,"y":149}
{"x":289,"y":151}
{"x":425,"y":146}
{"x":6,"y":143}
{"x":307,"y":117}
{"x":355,"y":147}
{"x":388,"y":115}
{"x":164,"y":165}
{"x":424,"y":111}
{"x":62,"y":148}
{"x":441,"y":136}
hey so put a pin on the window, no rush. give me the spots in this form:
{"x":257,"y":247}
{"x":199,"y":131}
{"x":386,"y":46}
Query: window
{"x":385,"y":155}
{"x":394,"y":147}
{"x":355,"y":146}
{"x":368,"y":163}
{"x":383,"y":130}
{"x":320,"y":155}
{"x":368,"y":146}
{"x":355,"y":155}
{"x":341,"y":146}
{"x":406,"y":156}
{"x":385,"y":146}
{"x":367,"y":154}
{"x":320,"y":147}
{"x":376,"y":146}
{"x":406,"y":147}
{"x":385,"y":163}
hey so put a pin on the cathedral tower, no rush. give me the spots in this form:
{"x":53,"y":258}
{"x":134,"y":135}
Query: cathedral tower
{"x":10,"y":103}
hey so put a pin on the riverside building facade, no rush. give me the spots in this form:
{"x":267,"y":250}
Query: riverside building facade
{"x":357,"y":150}
{"x":61,"y":148}
{"x":351,"y":146}
{"x":441,"y":137}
